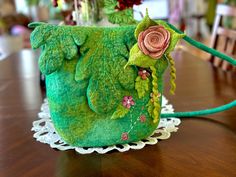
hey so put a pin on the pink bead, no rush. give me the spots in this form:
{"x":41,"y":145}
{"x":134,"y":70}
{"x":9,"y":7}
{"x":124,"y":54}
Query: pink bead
{"x":142,"y":118}
{"x":124,"y":136}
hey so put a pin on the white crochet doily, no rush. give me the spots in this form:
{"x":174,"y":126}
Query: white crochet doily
{"x":45,"y":132}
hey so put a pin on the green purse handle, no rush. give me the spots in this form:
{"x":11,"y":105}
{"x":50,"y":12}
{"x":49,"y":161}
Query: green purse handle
{"x":213,"y":52}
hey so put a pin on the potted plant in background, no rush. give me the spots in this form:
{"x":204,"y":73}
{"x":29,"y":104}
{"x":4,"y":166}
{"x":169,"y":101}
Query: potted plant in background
{"x":38,"y":9}
{"x":85,"y":12}
{"x":120,"y":11}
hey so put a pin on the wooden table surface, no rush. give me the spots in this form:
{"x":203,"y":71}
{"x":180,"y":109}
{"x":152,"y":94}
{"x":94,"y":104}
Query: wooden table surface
{"x":203,"y":146}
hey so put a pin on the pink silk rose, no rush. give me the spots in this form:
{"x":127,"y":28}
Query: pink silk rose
{"x":154,"y":41}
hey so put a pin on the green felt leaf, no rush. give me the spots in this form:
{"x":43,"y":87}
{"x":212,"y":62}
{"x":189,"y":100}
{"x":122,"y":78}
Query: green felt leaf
{"x":161,"y":65}
{"x":69,"y":48}
{"x":127,"y":76}
{"x":139,"y":59}
{"x":103,"y":92}
{"x":120,"y":112}
{"x":57,"y":44}
{"x":144,"y":24}
{"x":142,"y":86}
{"x":174,"y":40}
{"x":40,"y":35}
{"x":79,"y":37}
{"x":83,"y":71}
{"x":175,"y":37}
{"x":50,"y":60}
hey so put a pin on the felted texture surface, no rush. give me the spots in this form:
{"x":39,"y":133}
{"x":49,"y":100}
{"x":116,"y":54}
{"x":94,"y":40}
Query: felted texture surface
{"x":86,"y":83}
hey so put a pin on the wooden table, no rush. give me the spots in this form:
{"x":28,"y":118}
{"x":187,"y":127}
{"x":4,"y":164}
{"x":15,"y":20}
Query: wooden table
{"x":202,"y":146}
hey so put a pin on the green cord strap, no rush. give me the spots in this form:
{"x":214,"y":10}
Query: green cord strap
{"x":216,"y":53}
{"x":201,"y":112}
{"x":201,"y":46}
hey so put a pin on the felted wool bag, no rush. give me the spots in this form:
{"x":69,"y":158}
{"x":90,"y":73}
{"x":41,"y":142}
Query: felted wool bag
{"x":105,"y":84}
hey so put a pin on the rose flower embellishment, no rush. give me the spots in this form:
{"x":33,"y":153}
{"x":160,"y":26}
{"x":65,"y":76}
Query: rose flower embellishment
{"x":154,"y":41}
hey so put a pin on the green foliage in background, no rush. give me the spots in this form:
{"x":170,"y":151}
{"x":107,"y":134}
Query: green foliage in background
{"x":124,"y":17}
{"x":32,"y":2}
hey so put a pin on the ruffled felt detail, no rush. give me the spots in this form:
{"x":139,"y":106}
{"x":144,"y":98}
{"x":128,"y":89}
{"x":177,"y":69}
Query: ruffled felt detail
{"x":56,"y":45}
{"x":100,"y":65}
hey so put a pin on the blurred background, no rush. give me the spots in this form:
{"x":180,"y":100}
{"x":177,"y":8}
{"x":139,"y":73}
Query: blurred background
{"x":195,"y":17}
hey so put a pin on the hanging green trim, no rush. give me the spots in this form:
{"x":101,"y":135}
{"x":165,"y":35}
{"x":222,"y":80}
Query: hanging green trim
{"x":147,"y":53}
{"x":150,"y":107}
{"x":155,"y":99}
{"x":172,"y":73}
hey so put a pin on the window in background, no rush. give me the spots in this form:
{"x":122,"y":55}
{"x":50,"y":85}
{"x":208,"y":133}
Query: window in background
{"x":157,"y":9}
{"x":21,"y":7}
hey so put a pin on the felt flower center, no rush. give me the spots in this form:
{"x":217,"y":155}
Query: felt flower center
{"x":128,"y":101}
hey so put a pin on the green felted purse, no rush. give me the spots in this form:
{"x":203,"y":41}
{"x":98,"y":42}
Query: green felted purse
{"x":104,"y":84}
